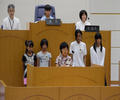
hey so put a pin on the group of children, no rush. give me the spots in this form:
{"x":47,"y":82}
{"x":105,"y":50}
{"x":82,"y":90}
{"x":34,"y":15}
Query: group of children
{"x":76,"y":57}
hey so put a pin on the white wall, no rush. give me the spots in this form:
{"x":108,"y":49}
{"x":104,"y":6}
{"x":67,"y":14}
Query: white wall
{"x":67,"y":10}
{"x":105,"y":6}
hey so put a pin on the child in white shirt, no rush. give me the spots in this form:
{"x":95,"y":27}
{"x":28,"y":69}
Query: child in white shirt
{"x":78,"y":50}
{"x":97,"y":51}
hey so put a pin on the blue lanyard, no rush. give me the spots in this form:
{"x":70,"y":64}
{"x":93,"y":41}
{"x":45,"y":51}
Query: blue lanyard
{"x":11,"y":25}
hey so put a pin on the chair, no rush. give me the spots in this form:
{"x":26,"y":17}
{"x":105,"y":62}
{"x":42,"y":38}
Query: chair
{"x":1,"y":27}
{"x":39,"y":12}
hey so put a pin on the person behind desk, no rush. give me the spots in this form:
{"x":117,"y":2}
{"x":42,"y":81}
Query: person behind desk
{"x":47,"y":13}
{"x":11,"y":22}
{"x":97,"y":51}
{"x":64,"y":59}
{"x":44,"y":57}
{"x":83,"y":20}
{"x":78,"y":50}
{"x":28,"y":58}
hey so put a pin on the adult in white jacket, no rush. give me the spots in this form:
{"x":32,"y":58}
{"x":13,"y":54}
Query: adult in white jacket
{"x":11,"y":22}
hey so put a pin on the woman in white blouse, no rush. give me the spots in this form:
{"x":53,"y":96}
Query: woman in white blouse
{"x":97,"y":51}
{"x":83,"y":20}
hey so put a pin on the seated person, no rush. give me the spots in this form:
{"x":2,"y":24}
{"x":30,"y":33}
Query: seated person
{"x":83,"y":20}
{"x":44,"y":57}
{"x":47,"y":13}
{"x":63,"y":59}
{"x":11,"y":22}
{"x":97,"y":51}
{"x":28,"y":58}
{"x":78,"y":50}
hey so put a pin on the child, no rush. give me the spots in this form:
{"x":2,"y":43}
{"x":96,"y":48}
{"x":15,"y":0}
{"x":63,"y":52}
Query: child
{"x":78,"y":50}
{"x":47,"y":13}
{"x":97,"y":51}
{"x":28,"y":58}
{"x":44,"y":57}
{"x":63,"y":59}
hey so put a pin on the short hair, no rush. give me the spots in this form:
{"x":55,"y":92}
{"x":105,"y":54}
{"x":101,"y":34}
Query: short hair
{"x":63,"y":45}
{"x":76,"y":33}
{"x":11,"y":6}
{"x":44,"y":42}
{"x":98,"y":36}
{"x":29,"y":43}
{"x":83,"y":12}
{"x":47,"y":7}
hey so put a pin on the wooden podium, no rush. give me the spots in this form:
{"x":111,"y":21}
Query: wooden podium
{"x":65,"y":76}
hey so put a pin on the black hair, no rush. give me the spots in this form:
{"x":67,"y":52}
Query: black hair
{"x":28,"y":44}
{"x":97,"y":36}
{"x":63,"y":45}
{"x":77,"y":32}
{"x":11,"y":6}
{"x":81,"y":14}
{"x":44,"y":42}
{"x":47,"y":7}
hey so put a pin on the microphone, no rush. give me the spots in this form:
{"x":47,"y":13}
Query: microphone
{"x":88,"y":18}
{"x":73,"y":52}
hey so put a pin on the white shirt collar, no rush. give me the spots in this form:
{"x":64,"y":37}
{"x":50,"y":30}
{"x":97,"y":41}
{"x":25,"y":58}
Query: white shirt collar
{"x":46,"y":17}
{"x":78,"y":43}
{"x":84,"y":23}
{"x":11,"y":19}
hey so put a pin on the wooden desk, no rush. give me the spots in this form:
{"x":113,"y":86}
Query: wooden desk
{"x":12,"y":48}
{"x":59,"y":93}
{"x":65,"y":76}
